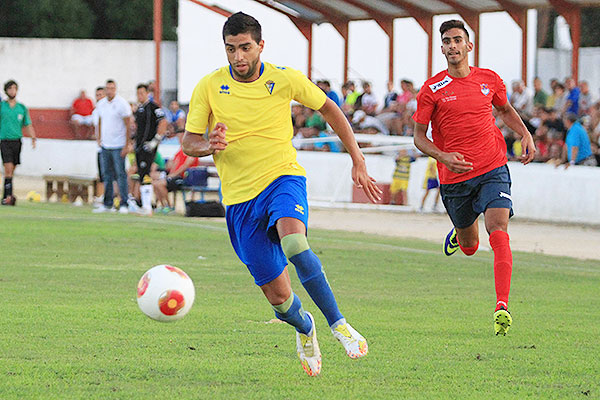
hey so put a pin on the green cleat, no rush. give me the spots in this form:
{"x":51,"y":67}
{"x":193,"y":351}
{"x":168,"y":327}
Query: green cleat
{"x":451,"y":243}
{"x":502,"y":321}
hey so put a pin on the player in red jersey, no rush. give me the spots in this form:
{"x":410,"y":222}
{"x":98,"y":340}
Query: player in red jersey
{"x":471,"y":155}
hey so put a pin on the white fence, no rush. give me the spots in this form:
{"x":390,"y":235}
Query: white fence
{"x":51,"y":72}
{"x":540,"y":191}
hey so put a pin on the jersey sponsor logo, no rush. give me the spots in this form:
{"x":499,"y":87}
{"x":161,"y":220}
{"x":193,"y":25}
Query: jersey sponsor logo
{"x":448,"y":96}
{"x":485,"y":89}
{"x":20,"y":117}
{"x":438,"y":85}
{"x":299,"y":209}
{"x":505,"y":195}
{"x":270,"y":85}
{"x":224,"y":89}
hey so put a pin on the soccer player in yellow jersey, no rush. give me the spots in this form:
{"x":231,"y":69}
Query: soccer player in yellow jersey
{"x":246,"y":109}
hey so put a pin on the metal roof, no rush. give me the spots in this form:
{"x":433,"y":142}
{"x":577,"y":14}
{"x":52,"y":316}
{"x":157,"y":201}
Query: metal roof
{"x":320,"y":11}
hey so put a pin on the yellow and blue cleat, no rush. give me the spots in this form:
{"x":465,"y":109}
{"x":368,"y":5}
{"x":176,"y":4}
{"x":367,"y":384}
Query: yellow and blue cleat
{"x":502,"y":321}
{"x":308,"y":350}
{"x":451,"y":243}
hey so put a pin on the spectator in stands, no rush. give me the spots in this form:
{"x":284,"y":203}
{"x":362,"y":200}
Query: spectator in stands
{"x":368,"y":101}
{"x":367,"y":124}
{"x":540,"y":97}
{"x":152,"y":90}
{"x":572,"y":105}
{"x":552,"y":96}
{"x":560,"y":99}
{"x":521,"y":99}
{"x":14,"y":118}
{"x":350,"y":93}
{"x":114,"y":118}
{"x":172,"y":179}
{"x":578,"y":150}
{"x":585,"y":98}
{"x":325,"y":86}
{"x":408,"y":92}
{"x":390,"y":97}
{"x":175,"y":117}
{"x":81,"y":116}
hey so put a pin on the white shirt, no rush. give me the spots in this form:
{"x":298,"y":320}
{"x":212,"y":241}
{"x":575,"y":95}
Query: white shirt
{"x":522,"y":101}
{"x":113,"y":128}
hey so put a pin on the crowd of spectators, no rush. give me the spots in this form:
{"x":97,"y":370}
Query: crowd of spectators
{"x":565,"y":122}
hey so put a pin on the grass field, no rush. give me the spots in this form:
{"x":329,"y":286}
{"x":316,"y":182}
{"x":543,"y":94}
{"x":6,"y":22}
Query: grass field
{"x":70,"y":326}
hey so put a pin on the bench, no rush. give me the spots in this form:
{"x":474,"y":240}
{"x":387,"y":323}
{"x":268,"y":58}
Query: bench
{"x":77,"y":186}
{"x":197,"y":182}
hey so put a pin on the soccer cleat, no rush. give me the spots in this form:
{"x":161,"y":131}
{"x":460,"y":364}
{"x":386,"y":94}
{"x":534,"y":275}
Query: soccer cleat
{"x":354,"y":343}
{"x":9,"y":201}
{"x":502,"y":321}
{"x":451,"y":243}
{"x":308,"y":350}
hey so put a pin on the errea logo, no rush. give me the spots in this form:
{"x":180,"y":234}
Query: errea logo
{"x":299,"y":209}
{"x":224,"y":89}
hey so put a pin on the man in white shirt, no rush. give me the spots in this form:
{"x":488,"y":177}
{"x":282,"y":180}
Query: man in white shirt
{"x":114,"y":115}
{"x":522,"y":99}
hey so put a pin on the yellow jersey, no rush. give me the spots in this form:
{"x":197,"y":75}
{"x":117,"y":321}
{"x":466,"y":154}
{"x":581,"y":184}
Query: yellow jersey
{"x":259,"y":125}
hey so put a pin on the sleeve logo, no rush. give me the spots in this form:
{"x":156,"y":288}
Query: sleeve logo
{"x":438,"y":85}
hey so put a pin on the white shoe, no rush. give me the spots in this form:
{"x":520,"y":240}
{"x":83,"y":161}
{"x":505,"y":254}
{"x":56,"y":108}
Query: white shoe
{"x":144,"y":211}
{"x":132,"y":206}
{"x":101,"y":209}
{"x":308,"y":350}
{"x":123,"y":210}
{"x":354,"y":343}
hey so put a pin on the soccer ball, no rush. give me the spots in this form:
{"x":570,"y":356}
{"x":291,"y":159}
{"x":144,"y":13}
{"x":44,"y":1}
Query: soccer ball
{"x":165,"y":293}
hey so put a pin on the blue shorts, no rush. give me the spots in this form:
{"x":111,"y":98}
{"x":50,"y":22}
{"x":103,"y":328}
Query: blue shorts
{"x":432,"y":183}
{"x":464,"y":201}
{"x":252,"y":229}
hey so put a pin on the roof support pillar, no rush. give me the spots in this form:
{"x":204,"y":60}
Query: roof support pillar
{"x":305,"y":27}
{"x":572,"y":13}
{"x":388,"y":27}
{"x":519,"y":15}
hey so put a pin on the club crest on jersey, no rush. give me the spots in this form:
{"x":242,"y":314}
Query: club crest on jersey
{"x":485,"y":89}
{"x":224,"y":89}
{"x":438,"y":85}
{"x":270,"y":85}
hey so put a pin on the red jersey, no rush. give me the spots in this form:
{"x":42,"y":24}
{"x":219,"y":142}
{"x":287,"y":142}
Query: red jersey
{"x":180,"y":158}
{"x":460,"y":111}
{"x":83,"y":107}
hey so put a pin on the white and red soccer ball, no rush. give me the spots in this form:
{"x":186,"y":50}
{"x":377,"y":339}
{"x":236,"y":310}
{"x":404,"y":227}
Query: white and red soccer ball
{"x":165,"y":293}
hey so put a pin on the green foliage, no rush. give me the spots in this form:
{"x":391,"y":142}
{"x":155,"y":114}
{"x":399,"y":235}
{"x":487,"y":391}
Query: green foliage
{"x":71,"y":328}
{"x":85,"y":19}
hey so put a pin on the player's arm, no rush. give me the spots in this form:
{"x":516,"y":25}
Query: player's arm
{"x":196,"y":145}
{"x":182,"y":168}
{"x":512,"y":119}
{"x":334,"y":117}
{"x":454,"y":161}
{"x":31,"y":133}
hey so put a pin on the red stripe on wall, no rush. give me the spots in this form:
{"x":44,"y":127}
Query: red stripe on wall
{"x":54,"y":123}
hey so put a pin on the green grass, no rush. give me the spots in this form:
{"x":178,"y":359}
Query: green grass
{"x":70,"y":326}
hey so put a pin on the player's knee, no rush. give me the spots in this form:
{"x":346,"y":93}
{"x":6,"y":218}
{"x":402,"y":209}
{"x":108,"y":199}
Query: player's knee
{"x":294,"y":244}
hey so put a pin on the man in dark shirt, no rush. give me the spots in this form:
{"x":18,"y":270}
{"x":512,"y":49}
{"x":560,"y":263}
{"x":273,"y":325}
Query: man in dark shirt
{"x":151,"y":127}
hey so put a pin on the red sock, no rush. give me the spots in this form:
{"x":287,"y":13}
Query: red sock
{"x":499,"y":241}
{"x":469,"y":251}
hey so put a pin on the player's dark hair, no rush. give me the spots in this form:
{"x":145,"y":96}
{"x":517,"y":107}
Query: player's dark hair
{"x":142,"y":85}
{"x":110,"y":81}
{"x":242,"y":23}
{"x":9,"y":84}
{"x":99,"y":88}
{"x":453,"y":23}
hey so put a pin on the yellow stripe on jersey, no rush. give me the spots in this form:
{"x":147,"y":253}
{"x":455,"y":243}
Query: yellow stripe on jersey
{"x":259,"y":126}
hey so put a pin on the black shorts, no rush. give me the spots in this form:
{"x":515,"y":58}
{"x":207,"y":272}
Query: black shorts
{"x":11,"y":151}
{"x":464,"y":201}
{"x":144,"y":162}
